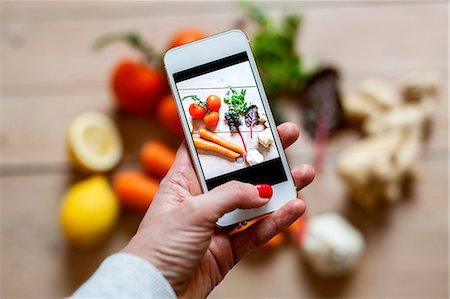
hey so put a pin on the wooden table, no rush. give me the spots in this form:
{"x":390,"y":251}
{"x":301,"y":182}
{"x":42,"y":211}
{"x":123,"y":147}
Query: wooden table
{"x":49,"y":74}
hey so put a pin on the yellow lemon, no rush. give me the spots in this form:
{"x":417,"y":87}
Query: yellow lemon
{"x":94,"y":142}
{"x":88,"y":212}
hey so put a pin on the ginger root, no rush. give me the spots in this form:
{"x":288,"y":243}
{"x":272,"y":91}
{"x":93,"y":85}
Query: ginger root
{"x":374,"y":96}
{"x":377,"y":167}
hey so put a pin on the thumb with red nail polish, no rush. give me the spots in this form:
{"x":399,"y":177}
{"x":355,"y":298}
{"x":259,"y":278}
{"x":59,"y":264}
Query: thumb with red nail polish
{"x":264,"y":190}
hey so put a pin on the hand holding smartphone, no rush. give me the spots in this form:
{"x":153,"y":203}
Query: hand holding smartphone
{"x":226,"y":118}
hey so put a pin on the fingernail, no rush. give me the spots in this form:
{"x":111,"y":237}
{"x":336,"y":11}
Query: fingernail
{"x":264,"y":190}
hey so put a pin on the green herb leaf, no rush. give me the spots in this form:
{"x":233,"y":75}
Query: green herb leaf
{"x":196,"y":99}
{"x":135,"y":41}
{"x":274,"y":47}
{"x":237,"y":101}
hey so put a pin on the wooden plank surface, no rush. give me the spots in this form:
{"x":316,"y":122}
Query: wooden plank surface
{"x":49,"y":74}
{"x":406,"y":245}
{"x":40,"y":71}
{"x":352,"y":37}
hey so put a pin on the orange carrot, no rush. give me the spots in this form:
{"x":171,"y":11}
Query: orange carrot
{"x":247,"y":225}
{"x":211,"y":146}
{"x":208,"y":135}
{"x":297,"y":230}
{"x":276,"y":241}
{"x":157,"y":158}
{"x":135,"y":190}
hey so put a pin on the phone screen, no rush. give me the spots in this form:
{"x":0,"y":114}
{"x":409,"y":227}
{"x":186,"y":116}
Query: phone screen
{"x":228,"y":123}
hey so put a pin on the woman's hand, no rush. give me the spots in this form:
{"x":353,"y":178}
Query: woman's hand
{"x":178,"y":234}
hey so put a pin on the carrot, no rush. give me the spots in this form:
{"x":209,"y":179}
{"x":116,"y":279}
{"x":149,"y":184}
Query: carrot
{"x":211,"y":146}
{"x":297,"y":230}
{"x":135,"y":190}
{"x":157,"y":158}
{"x":247,"y":225}
{"x":276,"y":241}
{"x":208,"y":135}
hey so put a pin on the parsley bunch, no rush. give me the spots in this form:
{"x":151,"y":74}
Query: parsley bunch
{"x":274,"y":47}
{"x":237,"y":101}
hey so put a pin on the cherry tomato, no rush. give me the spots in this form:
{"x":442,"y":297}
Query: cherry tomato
{"x":213,"y":102}
{"x":185,"y":36}
{"x":197,"y":111}
{"x":212,"y":118}
{"x":138,"y":88}
{"x":168,"y":116}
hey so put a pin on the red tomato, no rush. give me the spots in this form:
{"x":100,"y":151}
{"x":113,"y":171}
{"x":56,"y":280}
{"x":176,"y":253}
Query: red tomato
{"x":197,"y":111}
{"x":138,"y":88}
{"x":168,"y":115}
{"x":212,"y":118}
{"x":213,"y":102}
{"x":186,"y":36}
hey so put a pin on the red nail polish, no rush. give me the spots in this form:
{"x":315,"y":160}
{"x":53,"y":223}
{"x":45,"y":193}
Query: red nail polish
{"x":264,"y":190}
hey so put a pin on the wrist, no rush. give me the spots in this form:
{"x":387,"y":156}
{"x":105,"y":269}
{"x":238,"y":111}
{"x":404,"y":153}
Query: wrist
{"x":142,"y":248}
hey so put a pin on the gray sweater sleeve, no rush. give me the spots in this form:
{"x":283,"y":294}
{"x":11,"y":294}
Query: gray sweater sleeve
{"x":124,"y":275}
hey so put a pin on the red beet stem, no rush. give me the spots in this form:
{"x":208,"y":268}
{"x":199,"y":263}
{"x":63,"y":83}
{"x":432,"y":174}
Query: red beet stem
{"x":242,"y":138}
{"x":321,"y":137}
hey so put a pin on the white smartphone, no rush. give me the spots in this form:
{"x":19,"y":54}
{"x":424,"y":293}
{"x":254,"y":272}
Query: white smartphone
{"x":227,"y":121}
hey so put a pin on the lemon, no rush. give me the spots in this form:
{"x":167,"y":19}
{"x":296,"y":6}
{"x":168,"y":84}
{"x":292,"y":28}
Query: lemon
{"x":94,"y":143}
{"x":89,"y":211}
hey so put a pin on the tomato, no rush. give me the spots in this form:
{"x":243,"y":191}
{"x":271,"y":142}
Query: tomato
{"x":213,"y":103}
{"x":168,"y":116}
{"x":197,"y":111}
{"x":186,"y":36}
{"x":212,"y":118}
{"x":138,"y":88}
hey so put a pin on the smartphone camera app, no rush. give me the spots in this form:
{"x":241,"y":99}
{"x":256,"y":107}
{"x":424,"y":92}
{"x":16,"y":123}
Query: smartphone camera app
{"x":228,"y":122}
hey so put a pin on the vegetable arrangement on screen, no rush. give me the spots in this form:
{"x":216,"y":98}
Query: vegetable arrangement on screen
{"x":393,"y":125}
{"x":240,"y":113}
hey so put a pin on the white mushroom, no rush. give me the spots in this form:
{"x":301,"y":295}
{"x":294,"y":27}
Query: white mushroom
{"x":254,"y":157}
{"x":331,"y":245}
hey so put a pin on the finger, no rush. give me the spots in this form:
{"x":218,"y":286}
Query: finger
{"x":182,"y":164}
{"x":264,"y":230}
{"x":228,"y":197}
{"x":289,"y":133}
{"x":182,"y":173}
{"x":303,"y":175}
{"x":182,"y":157}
